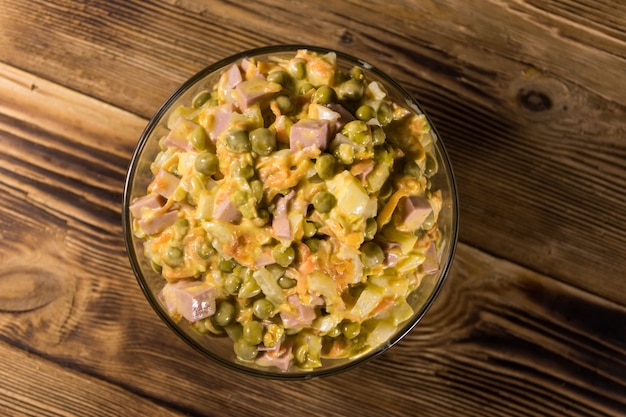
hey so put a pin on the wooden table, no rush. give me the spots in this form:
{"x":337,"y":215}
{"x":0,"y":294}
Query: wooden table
{"x":530,"y":98}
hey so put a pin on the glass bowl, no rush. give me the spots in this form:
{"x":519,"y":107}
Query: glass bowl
{"x":220,"y":348}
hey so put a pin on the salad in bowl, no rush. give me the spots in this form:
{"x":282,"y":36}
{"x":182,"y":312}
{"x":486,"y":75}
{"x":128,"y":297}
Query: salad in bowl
{"x":290,"y":212}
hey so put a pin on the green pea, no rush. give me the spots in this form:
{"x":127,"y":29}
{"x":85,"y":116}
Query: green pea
{"x":182,"y":225}
{"x":371,"y":254}
{"x":309,"y":229}
{"x":244,"y":273}
{"x":263,"y":141}
{"x":305,"y":87}
{"x":208,"y":326}
{"x":325,"y":95}
{"x":262,"y":217}
{"x":276,"y":270}
{"x":198,"y":138}
{"x":262,"y":308}
{"x":345,"y":153}
{"x":325,"y":166}
{"x":362,"y":138}
{"x":351,"y":90}
{"x":174,"y":256}
{"x":253,"y":332}
{"x":201,"y":98}
{"x":283,"y":255}
{"x":239,"y":198}
{"x":205,"y":250}
{"x":203,"y":326}
{"x":285,"y":104}
{"x":365,"y":113}
{"x":378,"y":135}
{"x":357,"y":73}
{"x":313,"y":244}
{"x":351,"y":329}
{"x":232,"y":283}
{"x":245,"y":351}
{"x":207,"y":163}
{"x":244,"y":171}
{"x":354,"y":127}
{"x":248,"y":211}
{"x":371,"y":227}
{"x":385,"y":113}
{"x":278,"y":77}
{"x":334,"y":332}
{"x":324,"y":201}
{"x":257,"y":188}
{"x":285,"y":282}
{"x":430,"y":166}
{"x":226,"y":265}
{"x":225,"y":313}
{"x":411,"y":168}
{"x":238,"y":141}
{"x":234,"y":331}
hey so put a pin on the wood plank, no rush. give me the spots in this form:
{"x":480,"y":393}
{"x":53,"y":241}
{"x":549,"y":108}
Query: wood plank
{"x":35,"y":387}
{"x":146,"y":51}
{"x":515,"y":92}
{"x":68,"y":295}
{"x":93,"y":169}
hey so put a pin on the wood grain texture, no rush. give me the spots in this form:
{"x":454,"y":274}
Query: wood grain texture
{"x":32,"y":386}
{"x":500,"y":340}
{"x":530,"y":93}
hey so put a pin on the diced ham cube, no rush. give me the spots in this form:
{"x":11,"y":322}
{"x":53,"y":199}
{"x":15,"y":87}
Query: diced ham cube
{"x":281,"y":358}
{"x":430,"y":264}
{"x":252,"y":91}
{"x":411,"y":212}
{"x":156,"y":224}
{"x":233,"y":77}
{"x":221,"y":117}
{"x":150,"y":202}
{"x":224,"y":209}
{"x":392,"y":252}
{"x":178,"y":137}
{"x":345,"y":117}
{"x":300,"y":315}
{"x":280,"y":222}
{"x":164,"y":183}
{"x":192,"y":300}
{"x":308,"y":133}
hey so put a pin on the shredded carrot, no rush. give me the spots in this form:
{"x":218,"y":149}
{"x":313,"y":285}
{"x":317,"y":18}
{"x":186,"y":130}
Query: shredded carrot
{"x":385,"y":214}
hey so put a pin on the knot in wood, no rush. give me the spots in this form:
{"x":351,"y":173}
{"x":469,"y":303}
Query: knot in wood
{"x":541,"y":97}
{"x":534,"y":100}
{"x":346,"y":37}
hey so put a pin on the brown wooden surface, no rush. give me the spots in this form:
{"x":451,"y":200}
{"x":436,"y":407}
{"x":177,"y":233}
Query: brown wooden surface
{"x":530,"y":98}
